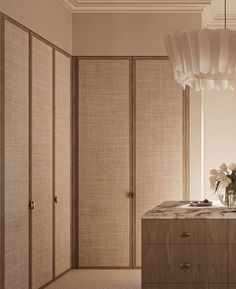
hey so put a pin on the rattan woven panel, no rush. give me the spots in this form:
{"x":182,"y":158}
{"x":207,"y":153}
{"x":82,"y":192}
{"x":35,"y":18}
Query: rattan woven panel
{"x":42,"y":117}
{"x":159,"y":146}
{"x":103,"y":162}
{"x":62,"y":162}
{"x":16,"y":157}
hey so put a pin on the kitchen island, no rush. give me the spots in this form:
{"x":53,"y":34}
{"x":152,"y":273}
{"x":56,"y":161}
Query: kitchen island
{"x":187,"y":247}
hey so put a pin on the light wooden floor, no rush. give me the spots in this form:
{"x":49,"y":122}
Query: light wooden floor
{"x":99,"y":279}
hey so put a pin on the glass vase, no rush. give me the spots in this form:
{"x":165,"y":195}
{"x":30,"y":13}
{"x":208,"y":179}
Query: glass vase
{"x":227,"y":195}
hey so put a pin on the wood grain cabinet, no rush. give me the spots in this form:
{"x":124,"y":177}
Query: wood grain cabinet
{"x":196,"y":254}
{"x":184,"y":286}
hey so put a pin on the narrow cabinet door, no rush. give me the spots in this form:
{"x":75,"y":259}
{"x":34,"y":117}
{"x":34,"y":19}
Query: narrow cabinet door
{"x":42,"y":161}
{"x":16,"y":157}
{"x":62,"y":201}
{"x":104,"y":172}
{"x":159,"y":138}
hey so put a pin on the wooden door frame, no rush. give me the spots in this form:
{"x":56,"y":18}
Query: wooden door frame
{"x":2,"y":151}
{"x":186,"y":143}
{"x":75,"y":163}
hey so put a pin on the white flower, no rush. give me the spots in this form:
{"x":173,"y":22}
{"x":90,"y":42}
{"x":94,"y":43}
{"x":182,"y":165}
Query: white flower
{"x":219,"y":177}
{"x":225,"y":181}
{"x":213,"y":187}
{"x":220,"y":174}
{"x":224,"y":185}
{"x":223,"y":167}
{"x":213,"y":172}
{"x":213,"y":179}
{"x":232,"y":166}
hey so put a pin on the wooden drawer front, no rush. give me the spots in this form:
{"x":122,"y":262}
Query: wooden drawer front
{"x":219,"y":286}
{"x":232,"y":265}
{"x":208,"y":263}
{"x":187,"y":286}
{"x":156,"y":264}
{"x":158,"y":286}
{"x":162,"y":263}
{"x":230,"y":286}
{"x":184,"y":231}
{"x":232,"y":231}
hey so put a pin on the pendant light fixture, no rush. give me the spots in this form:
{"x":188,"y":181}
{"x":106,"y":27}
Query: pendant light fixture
{"x":204,"y":59}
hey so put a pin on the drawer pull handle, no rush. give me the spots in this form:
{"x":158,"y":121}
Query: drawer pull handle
{"x":185,"y":266}
{"x":130,"y":195}
{"x":185,"y":234}
{"x":31,"y":205}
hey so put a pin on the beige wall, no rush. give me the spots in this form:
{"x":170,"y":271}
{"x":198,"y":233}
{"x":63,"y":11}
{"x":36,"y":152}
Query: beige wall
{"x":195,"y":145}
{"x":127,"y":34}
{"x":48,"y":18}
{"x":219,"y":132}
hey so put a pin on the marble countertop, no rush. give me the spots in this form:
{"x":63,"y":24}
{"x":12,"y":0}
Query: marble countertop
{"x":182,"y":210}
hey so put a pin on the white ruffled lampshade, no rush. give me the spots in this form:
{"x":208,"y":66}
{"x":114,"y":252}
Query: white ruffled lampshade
{"x":204,"y":59}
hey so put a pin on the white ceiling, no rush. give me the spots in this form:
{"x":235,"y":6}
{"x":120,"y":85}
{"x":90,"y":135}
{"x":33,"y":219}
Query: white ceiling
{"x":212,"y":11}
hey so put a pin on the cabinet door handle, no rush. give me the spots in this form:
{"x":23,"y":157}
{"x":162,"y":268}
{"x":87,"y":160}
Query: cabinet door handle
{"x":130,"y":195}
{"x":31,"y":205}
{"x":185,"y":266}
{"x":185,"y":234}
{"x":56,"y":199}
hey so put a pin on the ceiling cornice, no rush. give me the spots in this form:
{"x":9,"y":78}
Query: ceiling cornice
{"x":211,"y":18}
{"x":136,"y":6}
{"x":217,"y":21}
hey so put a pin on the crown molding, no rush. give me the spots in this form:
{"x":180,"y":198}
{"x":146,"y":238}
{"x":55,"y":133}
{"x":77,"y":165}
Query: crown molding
{"x":68,"y":5}
{"x":136,"y":6}
{"x":211,"y":18}
{"x":217,"y":21}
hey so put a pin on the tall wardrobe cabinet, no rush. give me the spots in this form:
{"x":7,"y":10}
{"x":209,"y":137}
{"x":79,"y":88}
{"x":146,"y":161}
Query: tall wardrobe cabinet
{"x":35,"y":157}
{"x":132,"y":134}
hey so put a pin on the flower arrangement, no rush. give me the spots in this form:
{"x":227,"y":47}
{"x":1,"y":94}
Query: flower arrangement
{"x":223,"y":181}
{"x":225,"y":177}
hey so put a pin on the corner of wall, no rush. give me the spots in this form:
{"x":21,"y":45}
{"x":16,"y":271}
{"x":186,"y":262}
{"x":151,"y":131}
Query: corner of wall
{"x":50,"y":19}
